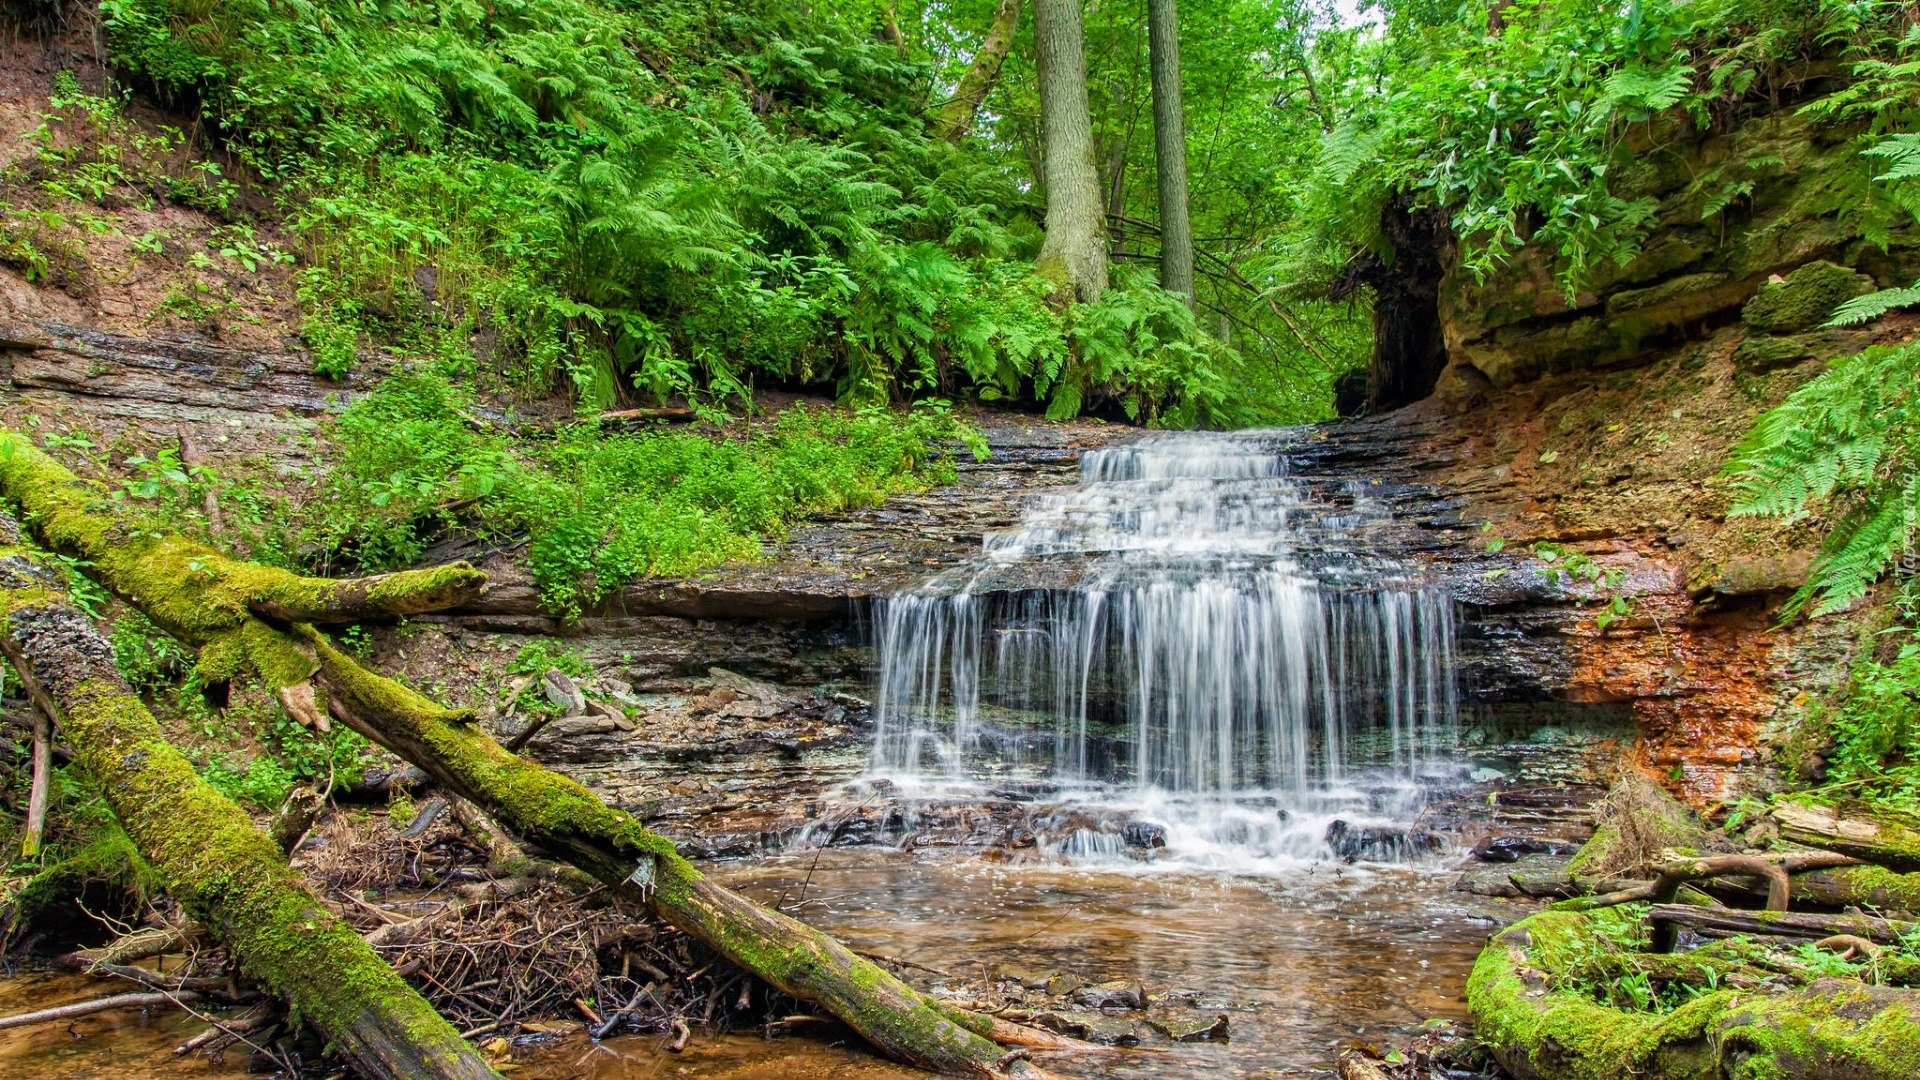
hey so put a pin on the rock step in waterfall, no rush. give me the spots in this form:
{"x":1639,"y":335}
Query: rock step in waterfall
{"x":1188,"y":632}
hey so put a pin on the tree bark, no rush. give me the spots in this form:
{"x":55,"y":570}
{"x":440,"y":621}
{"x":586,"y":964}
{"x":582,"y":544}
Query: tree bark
{"x":1075,"y":252}
{"x":1170,"y":149}
{"x":214,"y":862}
{"x":956,"y":117}
{"x":1875,"y":834}
{"x":1779,"y":924}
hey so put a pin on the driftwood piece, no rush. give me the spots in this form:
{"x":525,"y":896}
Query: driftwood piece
{"x":97,"y":1005}
{"x":1875,"y":834}
{"x":1723,"y":922}
{"x":206,"y":849}
{"x":130,"y":948}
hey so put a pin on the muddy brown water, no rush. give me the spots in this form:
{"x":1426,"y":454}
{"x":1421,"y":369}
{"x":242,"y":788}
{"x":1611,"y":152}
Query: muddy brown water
{"x":1302,"y":963}
{"x":120,"y":1045}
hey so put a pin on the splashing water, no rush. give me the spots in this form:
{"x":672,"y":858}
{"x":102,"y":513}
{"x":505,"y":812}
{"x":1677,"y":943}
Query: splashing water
{"x":1188,"y":631}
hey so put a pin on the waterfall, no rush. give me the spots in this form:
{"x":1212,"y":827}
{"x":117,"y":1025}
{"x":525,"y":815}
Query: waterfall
{"x":1187,"y":620}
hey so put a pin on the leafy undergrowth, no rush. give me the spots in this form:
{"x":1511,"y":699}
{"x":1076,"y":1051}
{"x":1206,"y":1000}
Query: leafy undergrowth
{"x":678,"y":199}
{"x":596,"y":508}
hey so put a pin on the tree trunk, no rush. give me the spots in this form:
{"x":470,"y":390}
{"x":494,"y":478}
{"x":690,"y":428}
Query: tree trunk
{"x":540,"y":805}
{"x":1723,"y":922}
{"x":1170,"y":150}
{"x":956,"y":116}
{"x":1881,"y":835}
{"x":1075,"y":252}
{"x":213,"y":861}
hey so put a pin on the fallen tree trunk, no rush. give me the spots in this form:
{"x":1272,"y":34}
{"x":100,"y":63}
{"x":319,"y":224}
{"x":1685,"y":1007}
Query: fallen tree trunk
{"x":205,"y":849}
{"x":1721,"y":922}
{"x":1875,"y":834}
{"x":564,"y":818}
{"x":540,"y":805}
{"x":1860,"y":886}
{"x":199,"y":595}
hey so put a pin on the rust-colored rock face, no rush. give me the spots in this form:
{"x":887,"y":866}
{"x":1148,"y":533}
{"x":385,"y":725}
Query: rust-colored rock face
{"x":1603,"y":422}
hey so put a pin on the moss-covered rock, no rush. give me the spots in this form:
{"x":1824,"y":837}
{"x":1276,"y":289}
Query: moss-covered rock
{"x":1804,"y":298}
{"x":1758,"y":354}
{"x":1542,"y":1026}
{"x":1518,"y":323}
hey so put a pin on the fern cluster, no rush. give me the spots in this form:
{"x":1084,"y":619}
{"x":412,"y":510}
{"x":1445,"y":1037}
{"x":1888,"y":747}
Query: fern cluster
{"x":673,"y":198}
{"x":1845,"y":446}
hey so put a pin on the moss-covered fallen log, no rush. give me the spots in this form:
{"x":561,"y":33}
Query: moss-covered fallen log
{"x":1542,"y":1024}
{"x":221,"y":869}
{"x":1872,"y":833}
{"x":1873,"y":887}
{"x":564,"y":818}
{"x":156,"y":575}
{"x":199,"y":595}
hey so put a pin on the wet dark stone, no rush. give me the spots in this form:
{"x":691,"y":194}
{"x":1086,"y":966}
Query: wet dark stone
{"x":1378,"y":843}
{"x":1143,"y":834}
{"x":1506,"y":849}
{"x":1118,"y":994}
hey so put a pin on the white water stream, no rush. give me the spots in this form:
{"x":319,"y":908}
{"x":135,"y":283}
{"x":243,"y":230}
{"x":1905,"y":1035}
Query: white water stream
{"x":1187,"y":635}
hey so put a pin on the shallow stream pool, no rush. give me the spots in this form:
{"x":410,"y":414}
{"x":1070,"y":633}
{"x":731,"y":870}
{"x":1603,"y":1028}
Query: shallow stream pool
{"x":1301,"y":962}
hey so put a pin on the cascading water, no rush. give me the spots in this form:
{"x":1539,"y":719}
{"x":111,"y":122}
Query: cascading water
{"x":1188,"y":632}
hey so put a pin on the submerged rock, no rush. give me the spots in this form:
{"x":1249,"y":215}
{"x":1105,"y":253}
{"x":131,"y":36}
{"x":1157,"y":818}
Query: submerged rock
{"x":1190,"y":1027}
{"x":1091,"y":1026}
{"x":1143,"y":834}
{"x":1118,"y":994}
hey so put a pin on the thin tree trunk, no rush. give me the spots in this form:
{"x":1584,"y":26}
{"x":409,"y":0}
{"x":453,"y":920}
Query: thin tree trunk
{"x":1075,"y":252}
{"x":1170,"y":150}
{"x":97,"y":1005}
{"x":205,"y":849}
{"x":956,"y":116}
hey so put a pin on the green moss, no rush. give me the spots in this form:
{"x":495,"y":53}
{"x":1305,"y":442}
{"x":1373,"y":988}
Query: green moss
{"x":1760,"y":354}
{"x":206,"y":851}
{"x":1805,"y":298}
{"x":1527,"y":1005}
{"x":192,"y":591}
